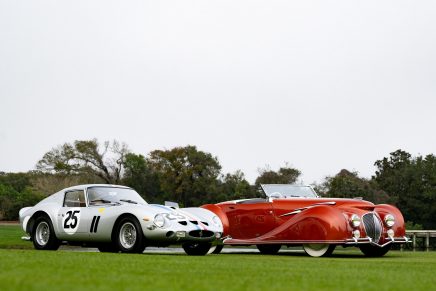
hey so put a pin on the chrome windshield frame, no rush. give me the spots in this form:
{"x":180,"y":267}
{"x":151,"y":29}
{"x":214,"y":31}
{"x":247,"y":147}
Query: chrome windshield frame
{"x":287,"y":196}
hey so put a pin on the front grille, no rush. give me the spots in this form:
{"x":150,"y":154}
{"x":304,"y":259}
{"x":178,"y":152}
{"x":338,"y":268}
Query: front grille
{"x":201,"y":233}
{"x":373,"y":226}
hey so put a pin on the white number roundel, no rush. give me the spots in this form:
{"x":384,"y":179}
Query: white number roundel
{"x":71,"y":220}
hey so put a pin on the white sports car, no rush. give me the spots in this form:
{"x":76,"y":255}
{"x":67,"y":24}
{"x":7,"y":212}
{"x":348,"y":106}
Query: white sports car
{"x":116,"y":218}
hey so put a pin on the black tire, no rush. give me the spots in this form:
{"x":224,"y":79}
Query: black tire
{"x":108,"y":248}
{"x":268,"y":249}
{"x":374,"y":251}
{"x":129,"y":225}
{"x":196,"y":249}
{"x":218,"y":249}
{"x":43,"y":235}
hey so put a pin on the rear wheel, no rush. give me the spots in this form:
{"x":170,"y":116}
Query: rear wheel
{"x":196,"y":249}
{"x":129,"y":237}
{"x":319,"y":250}
{"x":43,"y":235}
{"x":268,"y":249}
{"x":374,"y":251}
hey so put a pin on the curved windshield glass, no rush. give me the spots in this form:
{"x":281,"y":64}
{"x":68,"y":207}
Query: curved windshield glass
{"x":110,"y":195}
{"x":287,"y":191}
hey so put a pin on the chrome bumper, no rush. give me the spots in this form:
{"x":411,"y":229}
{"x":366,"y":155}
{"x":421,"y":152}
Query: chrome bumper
{"x":368,"y":240}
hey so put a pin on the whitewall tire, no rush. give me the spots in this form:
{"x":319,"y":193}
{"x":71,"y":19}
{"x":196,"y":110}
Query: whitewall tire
{"x":319,"y":250}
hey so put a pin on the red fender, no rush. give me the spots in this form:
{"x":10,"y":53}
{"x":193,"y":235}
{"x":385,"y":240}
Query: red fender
{"x":221,"y":214}
{"x":399,"y":226}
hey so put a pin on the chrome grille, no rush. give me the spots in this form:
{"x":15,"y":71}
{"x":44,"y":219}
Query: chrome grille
{"x":373,"y":226}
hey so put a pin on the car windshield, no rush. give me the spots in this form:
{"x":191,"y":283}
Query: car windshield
{"x":287,"y":191}
{"x":110,"y":195}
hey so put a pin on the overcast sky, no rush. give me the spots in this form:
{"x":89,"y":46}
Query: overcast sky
{"x":323,"y":85}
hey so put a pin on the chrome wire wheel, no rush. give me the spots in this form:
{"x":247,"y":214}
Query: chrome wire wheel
{"x":127,"y":235}
{"x":42,"y":234}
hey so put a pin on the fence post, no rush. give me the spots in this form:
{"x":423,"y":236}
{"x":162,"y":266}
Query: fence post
{"x":414,"y":241}
{"x":427,"y":241}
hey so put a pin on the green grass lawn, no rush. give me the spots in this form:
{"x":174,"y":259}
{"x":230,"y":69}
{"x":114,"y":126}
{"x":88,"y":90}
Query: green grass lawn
{"x":346,"y":270}
{"x":10,"y":238}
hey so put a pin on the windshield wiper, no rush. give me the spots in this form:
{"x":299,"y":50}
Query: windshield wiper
{"x":129,"y":201}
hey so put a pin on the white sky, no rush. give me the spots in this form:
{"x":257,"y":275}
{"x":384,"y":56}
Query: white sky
{"x":323,"y":85}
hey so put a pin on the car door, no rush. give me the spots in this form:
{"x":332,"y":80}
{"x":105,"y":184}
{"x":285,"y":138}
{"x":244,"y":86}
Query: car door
{"x":74,"y":217}
{"x":252,"y":220}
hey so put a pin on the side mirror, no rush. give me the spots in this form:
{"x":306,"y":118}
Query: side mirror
{"x":172,"y":204}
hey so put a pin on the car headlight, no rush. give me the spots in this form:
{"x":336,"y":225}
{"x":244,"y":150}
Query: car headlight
{"x":355,"y":220}
{"x":216,"y":220}
{"x":173,"y":216}
{"x":356,"y":233}
{"x":391,"y":233}
{"x":389,"y":220}
{"x":159,"y":220}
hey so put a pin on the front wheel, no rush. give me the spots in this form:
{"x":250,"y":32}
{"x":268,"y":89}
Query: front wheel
{"x":129,"y":237}
{"x":43,"y":235}
{"x":319,"y":250}
{"x":268,"y":249}
{"x":374,"y":251}
{"x":196,"y":249}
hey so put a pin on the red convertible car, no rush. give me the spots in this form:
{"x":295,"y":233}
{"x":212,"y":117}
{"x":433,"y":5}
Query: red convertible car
{"x":293,"y":215}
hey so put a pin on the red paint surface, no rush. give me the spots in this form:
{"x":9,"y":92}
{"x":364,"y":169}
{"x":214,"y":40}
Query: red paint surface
{"x":253,"y":222}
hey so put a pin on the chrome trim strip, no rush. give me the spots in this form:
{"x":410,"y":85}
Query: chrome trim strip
{"x":291,"y":213}
{"x":298,"y":210}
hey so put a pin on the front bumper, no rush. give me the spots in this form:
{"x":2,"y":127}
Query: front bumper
{"x":368,"y":240}
{"x":179,"y":235}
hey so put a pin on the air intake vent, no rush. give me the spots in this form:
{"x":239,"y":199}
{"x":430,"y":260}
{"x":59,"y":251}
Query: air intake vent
{"x":373,"y":226}
{"x":201,"y":233}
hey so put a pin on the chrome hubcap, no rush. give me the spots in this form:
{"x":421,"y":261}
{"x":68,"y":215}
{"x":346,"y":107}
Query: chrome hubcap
{"x":316,"y":250}
{"x":42,"y":233}
{"x":127,"y":235}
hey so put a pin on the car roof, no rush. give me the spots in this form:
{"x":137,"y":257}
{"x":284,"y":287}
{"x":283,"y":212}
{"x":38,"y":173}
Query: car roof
{"x":85,"y":186}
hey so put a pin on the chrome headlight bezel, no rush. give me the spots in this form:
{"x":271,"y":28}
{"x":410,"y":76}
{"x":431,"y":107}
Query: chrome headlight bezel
{"x":355,"y":220}
{"x":159,"y":220}
{"x":389,"y":220}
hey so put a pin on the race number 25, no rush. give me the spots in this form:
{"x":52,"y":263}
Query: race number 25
{"x":71,"y":220}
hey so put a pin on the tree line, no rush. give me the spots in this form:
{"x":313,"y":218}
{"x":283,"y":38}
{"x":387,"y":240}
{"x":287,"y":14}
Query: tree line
{"x":193,"y":177}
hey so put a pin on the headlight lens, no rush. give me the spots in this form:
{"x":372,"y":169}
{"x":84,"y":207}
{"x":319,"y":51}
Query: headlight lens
{"x":175,"y":215}
{"x":391,"y":233}
{"x":355,"y":220}
{"x":356,"y":233}
{"x":389,"y":220}
{"x":159,"y":220}
{"x":216,"y":220}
